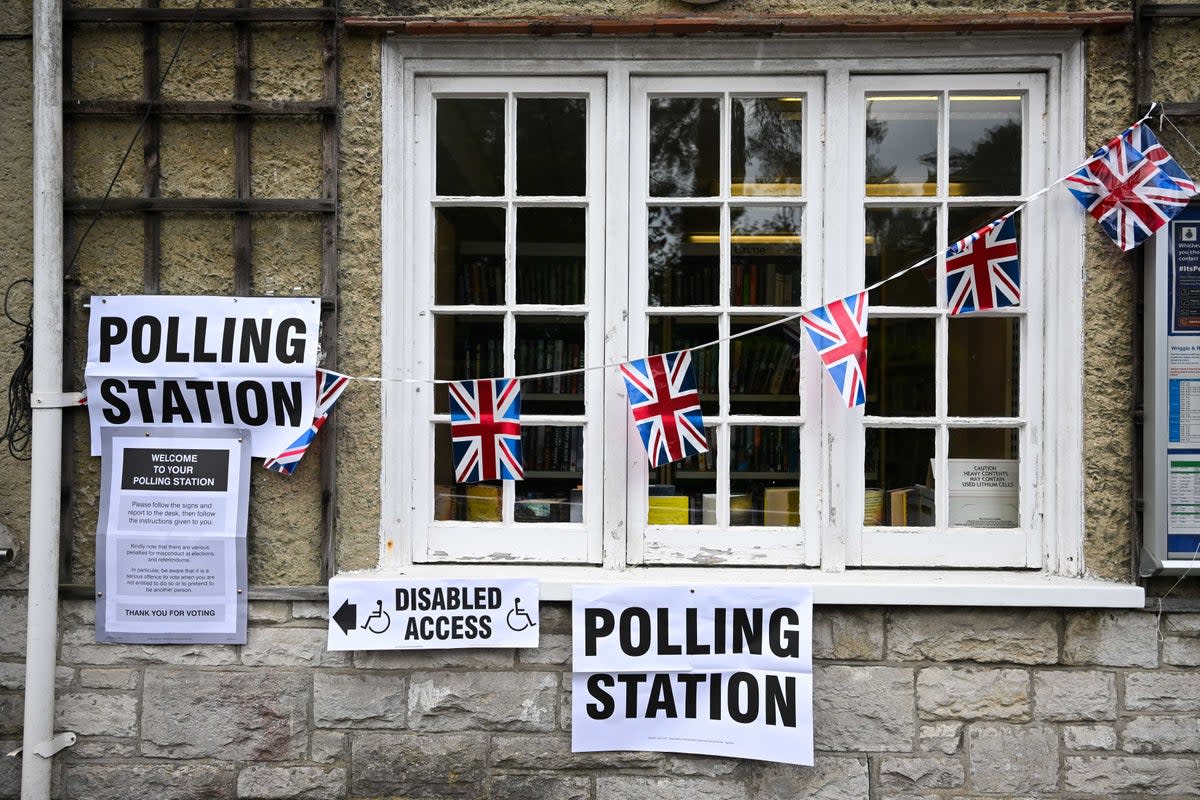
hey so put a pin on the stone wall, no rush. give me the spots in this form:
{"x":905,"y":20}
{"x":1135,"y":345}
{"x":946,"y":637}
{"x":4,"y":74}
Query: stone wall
{"x":951,"y":703}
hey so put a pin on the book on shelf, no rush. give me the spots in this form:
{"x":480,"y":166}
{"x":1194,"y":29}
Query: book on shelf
{"x":984,"y":493}
{"x":741,"y":509}
{"x":911,"y":506}
{"x":873,"y":505}
{"x":781,"y":506}
{"x":668,"y":510}
{"x":483,"y":502}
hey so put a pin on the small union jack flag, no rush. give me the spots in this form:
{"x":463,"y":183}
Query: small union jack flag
{"x":839,"y":331}
{"x":1141,"y":137}
{"x":982,"y":271}
{"x":485,"y":424}
{"x":665,"y":405}
{"x":329,"y":388}
{"x":1127,"y":193}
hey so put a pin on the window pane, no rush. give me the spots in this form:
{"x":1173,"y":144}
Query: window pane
{"x":897,"y":473}
{"x":466,"y":348}
{"x":901,"y":145}
{"x":985,"y":354}
{"x":984,"y":478}
{"x":766,"y":256}
{"x":668,"y":334}
{"x":764,"y":374}
{"x":684,"y":146}
{"x":985,"y":144}
{"x":469,"y":256}
{"x":764,"y":476}
{"x":900,"y":367}
{"x":677,"y":491}
{"x":898,"y":238}
{"x":470,"y":147}
{"x":767,"y":145}
{"x":551,"y":146}
{"x":550,"y":255}
{"x":475,"y":502}
{"x":683,"y":255}
{"x":551,"y":491}
{"x":550,"y":344}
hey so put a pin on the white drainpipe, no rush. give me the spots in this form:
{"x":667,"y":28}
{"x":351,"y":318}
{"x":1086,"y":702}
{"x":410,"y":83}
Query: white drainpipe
{"x":41,"y":640}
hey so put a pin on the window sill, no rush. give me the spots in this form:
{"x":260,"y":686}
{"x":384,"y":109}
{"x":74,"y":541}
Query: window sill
{"x":853,"y":587}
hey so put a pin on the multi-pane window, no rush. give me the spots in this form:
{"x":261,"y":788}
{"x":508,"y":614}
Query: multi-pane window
{"x":556,"y":223}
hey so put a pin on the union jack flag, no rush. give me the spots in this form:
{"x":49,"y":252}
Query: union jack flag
{"x":329,"y":388}
{"x":839,"y":331}
{"x":1141,"y":137}
{"x":982,"y":271}
{"x":485,"y":424}
{"x":665,"y":405}
{"x":1127,"y":193}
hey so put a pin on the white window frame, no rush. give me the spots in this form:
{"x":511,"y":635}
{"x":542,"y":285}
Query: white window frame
{"x":1054,"y":429}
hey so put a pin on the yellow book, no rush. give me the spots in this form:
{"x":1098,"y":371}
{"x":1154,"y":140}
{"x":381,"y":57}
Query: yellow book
{"x":668,"y":510}
{"x":781,"y":506}
{"x":873,"y":507}
{"x":483,"y":503}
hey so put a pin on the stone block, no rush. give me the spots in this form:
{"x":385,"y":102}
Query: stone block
{"x":1105,"y":776}
{"x":973,"y":693}
{"x":482,"y":659}
{"x":539,"y":787}
{"x":179,"y":781}
{"x":110,"y":678}
{"x":10,"y":769}
{"x":850,"y":634}
{"x":501,"y":701}
{"x":535,"y":752}
{"x":1163,"y":691}
{"x":555,"y":618}
{"x":264,"y":782}
{"x":932,"y":772}
{"x":79,"y":646}
{"x":259,"y":715}
{"x":94,"y":714}
{"x":1021,"y":636}
{"x":701,"y":766}
{"x":554,"y":650}
{"x":290,"y":647}
{"x":360,"y":700}
{"x":1111,"y":638}
{"x":12,"y":676}
{"x":305,"y":609}
{"x":1180,"y":651}
{"x":1013,"y":759}
{"x":636,"y":787}
{"x":1070,"y":696}
{"x":1161,"y":735}
{"x":1183,"y":624}
{"x":106,"y":749}
{"x":863,"y":708}
{"x":266,"y":611}
{"x":1089,"y":737}
{"x":12,"y":713}
{"x":829,"y":778}
{"x":327,"y":746}
{"x":418,"y":764}
{"x":940,"y":737}
{"x":13,"y":615}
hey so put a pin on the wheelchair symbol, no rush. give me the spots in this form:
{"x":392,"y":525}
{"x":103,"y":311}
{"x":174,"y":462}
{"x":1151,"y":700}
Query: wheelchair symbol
{"x":378,"y":620}
{"x":518,"y":619}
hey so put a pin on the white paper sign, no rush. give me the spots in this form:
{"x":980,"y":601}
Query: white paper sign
{"x":204,"y":362}
{"x":171,"y":538}
{"x":717,"y":670}
{"x":377,"y":613}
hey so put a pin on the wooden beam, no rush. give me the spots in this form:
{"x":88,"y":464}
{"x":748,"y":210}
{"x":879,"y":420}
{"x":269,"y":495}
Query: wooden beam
{"x":199,"y":204}
{"x":257,"y":108}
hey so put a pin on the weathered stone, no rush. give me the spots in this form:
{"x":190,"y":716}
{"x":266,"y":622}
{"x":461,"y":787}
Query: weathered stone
{"x":564,"y":705}
{"x":940,"y":737}
{"x":1074,"y":695}
{"x":1111,"y":638}
{"x":1183,"y":624}
{"x":10,"y":769}
{"x":921,"y":773}
{"x":1105,"y":776}
{"x":263,"y":782}
{"x":1013,"y":759}
{"x":635,"y":787}
{"x":103,"y":748}
{"x":555,"y":618}
{"x":266,"y":611}
{"x":828,"y":778}
{"x":360,"y":700}
{"x":12,"y":676}
{"x":848,"y":634}
{"x":91,"y":714}
{"x":327,"y":746}
{"x":535,"y":752}
{"x":457,"y":701}
{"x":1089,"y":737}
{"x":554,"y":649}
{"x":109,"y":678}
{"x":863,"y":708}
{"x":539,"y":787}
{"x":79,"y":646}
{"x":12,"y":625}
{"x":482,"y":659}
{"x":77,"y":613}
{"x":1179,"y":651}
{"x":418,"y":764}
{"x":12,"y":713}
{"x":259,"y":715}
{"x":1161,"y":735}
{"x":178,"y":781}
{"x":304,"y":609}
{"x":701,"y":766}
{"x":1021,"y":636}
{"x":290,"y":647}
{"x":1163,"y":691}
{"x":973,"y":693}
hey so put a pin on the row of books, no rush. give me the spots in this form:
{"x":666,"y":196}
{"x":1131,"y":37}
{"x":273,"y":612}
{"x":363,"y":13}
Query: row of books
{"x":552,"y":448}
{"x":550,"y":355}
{"x":763,"y":449}
{"x":481,"y":281}
{"x":763,"y":365}
{"x":769,"y":284}
{"x":772,"y":506}
{"x":481,"y":502}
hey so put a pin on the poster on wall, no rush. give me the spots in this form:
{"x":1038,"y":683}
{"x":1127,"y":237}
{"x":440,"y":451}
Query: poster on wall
{"x":171,"y":537}
{"x":715,"y":670}
{"x":204,"y":362}
{"x":1183,"y":389}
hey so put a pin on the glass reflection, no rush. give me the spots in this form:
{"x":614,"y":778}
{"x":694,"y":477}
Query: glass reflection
{"x":900,"y":367}
{"x":766,"y":256}
{"x":896,"y":239}
{"x":683,"y":255}
{"x":984,"y":359}
{"x":767,"y":145}
{"x":899,"y":482}
{"x":551,"y":491}
{"x":551,"y":146}
{"x":466,"y":347}
{"x":684,"y":146}
{"x":550,"y":344}
{"x":985,"y":144}
{"x":550,"y":256}
{"x":676,"y":492}
{"x":470,"y":146}
{"x":469,"y":502}
{"x":901,"y":134}
{"x":983,"y":475}
{"x":668,"y":334}
{"x":469,"y":256}
{"x":764,"y":369}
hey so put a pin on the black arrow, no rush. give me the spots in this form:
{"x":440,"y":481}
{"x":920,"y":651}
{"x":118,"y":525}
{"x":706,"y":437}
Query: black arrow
{"x":347,"y":616}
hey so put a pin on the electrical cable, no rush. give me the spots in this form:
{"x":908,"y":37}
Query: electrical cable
{"x":19,"y":426}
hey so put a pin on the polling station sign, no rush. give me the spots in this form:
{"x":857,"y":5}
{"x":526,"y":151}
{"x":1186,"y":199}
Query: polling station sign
{"x":368,"y":612}
{"x":204,"y":362}
{"x":716,"y":670}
